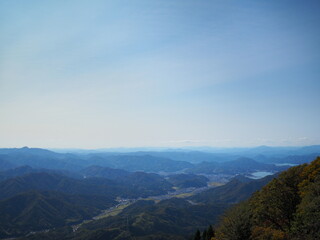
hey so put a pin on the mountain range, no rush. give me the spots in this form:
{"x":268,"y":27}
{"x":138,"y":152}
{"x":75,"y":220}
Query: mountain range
{"x":150,"y":195}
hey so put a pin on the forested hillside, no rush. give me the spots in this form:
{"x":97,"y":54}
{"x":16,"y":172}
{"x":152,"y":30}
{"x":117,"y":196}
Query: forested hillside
{"x":286,"y":208}
{"x":35,"y":210}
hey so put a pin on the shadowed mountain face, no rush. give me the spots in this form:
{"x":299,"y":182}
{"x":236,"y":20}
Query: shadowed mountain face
{"x":152,"y":181}
{"x":24,"y":170}
{"x":135,"y":185}
{"x":34,"y":210}
{"x":14,"y":172}
{"x":188,"y":180}
{"x":104,"y":172}
{"x":149,"y":183}
{"x":4,"y":164}
{"x":234,"y":191}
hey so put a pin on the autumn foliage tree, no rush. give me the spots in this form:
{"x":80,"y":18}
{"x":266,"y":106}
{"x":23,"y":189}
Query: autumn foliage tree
{"x":286,"y":208}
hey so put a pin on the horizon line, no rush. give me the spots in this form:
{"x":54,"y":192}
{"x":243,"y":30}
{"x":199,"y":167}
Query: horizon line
{"x":160,"y":147}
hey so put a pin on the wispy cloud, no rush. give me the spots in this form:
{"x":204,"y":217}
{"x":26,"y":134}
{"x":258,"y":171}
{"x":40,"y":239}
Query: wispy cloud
{"x":187,"y":141}
{"x":107,"y":74}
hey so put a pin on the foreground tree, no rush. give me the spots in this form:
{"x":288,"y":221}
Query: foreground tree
{"x":236,"y":224}
{"x":197,"y":235}
{"x":286,"y":208}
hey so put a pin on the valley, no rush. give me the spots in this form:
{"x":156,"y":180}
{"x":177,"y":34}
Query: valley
{"x":120,"y":195}
{"x":123,"y":203}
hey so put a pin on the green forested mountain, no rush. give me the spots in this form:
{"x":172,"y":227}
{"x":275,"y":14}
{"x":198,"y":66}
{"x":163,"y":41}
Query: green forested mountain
{"x":188,"y":180}
{"x":286,"y":208}
{"x":14,"y":172}
{"x":4,"y":164}
{"x":136,"y":185}
{"x":169,"y":219}
{"x":233,"y":192}
{"x":146,"y":163}
{"x":45,"y":181}
{"x":24,"y":170}
{"x":149,"y":183}
{"x":146,"y":183}
{"x":105,"y":172}
{"x":35,"y":210}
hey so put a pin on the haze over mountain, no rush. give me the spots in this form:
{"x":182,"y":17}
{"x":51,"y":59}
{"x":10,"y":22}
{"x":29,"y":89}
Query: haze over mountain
{"x":93,"y":182}
{"x":96,"y":195}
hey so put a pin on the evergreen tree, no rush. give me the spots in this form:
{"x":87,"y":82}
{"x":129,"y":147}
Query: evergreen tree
{"x":210,"y":233}
{"x":197,"y":236}
{"x":204,"y":235}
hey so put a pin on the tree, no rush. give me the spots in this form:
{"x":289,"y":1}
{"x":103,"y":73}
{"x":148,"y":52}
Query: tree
{"x":204,"y":235}
{"x":236,"y":224}
{"x":307,"y":224}
{"x":197,"y":236}
{"x":309,"y":174}
{"x":210,"y":233}
{"x":275,"y":205}
{"x":286,"y":208}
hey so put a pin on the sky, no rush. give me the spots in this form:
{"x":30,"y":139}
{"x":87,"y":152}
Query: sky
{"x":161,"y":73}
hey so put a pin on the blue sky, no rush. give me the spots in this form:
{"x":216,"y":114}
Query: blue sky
{"x":93,"y":74}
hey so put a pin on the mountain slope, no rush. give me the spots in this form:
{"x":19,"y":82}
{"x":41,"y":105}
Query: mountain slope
{"x":105,"y":172}
{"x":286,"y":208}
{"x":4,"y":164}
{"x":134,"y":186}
{"x":36,"y":210}
{"x":41,"y":158}
{"x":146,"y":163}
{"x":188,"y":180}
{"x":169,"y":219}
{"x":232,"y":192}
{"x":239,"y":166}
